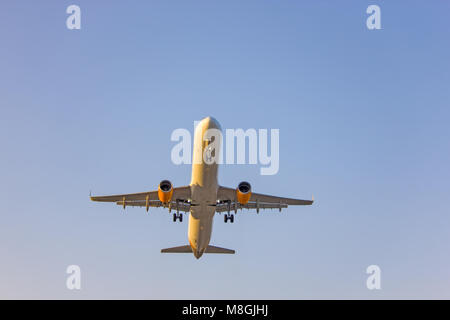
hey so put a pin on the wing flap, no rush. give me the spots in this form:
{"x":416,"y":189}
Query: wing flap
{"x":184,"y":207}
{"x":251,"y":205}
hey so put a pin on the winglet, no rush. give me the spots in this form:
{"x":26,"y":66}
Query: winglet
{"x":312,"y":198}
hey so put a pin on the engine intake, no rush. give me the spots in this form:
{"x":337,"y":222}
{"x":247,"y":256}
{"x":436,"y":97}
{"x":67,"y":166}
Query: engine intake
{"x":243,"y":192}
{"x":165,"y":191}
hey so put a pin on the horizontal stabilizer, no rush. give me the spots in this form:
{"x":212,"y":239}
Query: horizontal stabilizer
{"x":181,"y":249}
{"x":187,"y":249}
{"x":213,"y":249}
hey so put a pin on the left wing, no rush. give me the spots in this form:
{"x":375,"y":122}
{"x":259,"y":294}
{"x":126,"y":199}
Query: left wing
{"x":180,"y":197}
{"x":228,"y":202}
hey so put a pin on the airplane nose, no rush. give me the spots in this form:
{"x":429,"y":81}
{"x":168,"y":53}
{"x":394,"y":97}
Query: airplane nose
{"x":212,"y":123}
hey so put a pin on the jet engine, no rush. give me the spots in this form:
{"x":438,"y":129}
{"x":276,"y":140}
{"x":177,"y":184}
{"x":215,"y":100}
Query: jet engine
{"x":165,"y":191}
{"x":243,"y":192}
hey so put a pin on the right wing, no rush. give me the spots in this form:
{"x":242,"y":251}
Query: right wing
{"x":228,"y":202}
{"x":182,"y":194}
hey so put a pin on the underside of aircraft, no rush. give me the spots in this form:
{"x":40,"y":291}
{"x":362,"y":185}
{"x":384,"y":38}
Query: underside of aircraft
{"x":202,"y":199}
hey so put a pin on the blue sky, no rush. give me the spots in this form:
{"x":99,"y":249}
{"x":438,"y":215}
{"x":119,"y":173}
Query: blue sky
{"x":363,"y":118}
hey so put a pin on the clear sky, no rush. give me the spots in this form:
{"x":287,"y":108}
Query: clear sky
{"x":364,"y":126}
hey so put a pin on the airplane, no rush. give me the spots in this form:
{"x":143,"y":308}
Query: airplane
{"x":203,"y":197}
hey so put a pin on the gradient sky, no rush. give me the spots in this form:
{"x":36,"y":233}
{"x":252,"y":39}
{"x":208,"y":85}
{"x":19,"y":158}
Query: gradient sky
{"x":364,"y":126}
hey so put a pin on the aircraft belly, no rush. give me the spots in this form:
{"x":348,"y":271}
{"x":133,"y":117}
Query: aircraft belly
{"x":204,"y":186}
{"x":200,"y":226}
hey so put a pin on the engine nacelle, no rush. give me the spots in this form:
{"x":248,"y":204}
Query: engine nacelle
{"x":243,"y":192}
{"x":165,"y":191}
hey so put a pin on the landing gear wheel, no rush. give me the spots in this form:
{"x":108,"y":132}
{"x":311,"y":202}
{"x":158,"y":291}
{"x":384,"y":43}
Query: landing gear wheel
{"x":232,"y":218}
{"x":225,"y":218}
{"x":181,"y":217}
{"x":174,"y":217}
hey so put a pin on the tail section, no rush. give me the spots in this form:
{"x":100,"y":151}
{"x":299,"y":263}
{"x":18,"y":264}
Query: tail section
{"x":188,"y":249}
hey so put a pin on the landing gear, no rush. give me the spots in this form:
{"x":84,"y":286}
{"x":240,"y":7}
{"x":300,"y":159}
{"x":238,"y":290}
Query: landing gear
{"x":228,"y":217}
{"x":177,"y":216}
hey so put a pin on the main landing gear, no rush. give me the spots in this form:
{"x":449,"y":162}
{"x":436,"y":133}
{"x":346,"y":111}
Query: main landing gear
{"x":178,"y":216}
{"x":228,"y":217}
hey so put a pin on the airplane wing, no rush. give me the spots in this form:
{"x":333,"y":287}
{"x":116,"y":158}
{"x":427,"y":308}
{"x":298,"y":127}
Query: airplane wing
{"x":150,"y":198}
{"x":228,"y":202}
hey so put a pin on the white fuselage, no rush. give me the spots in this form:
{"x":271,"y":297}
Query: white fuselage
{"x":204,"y":186}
